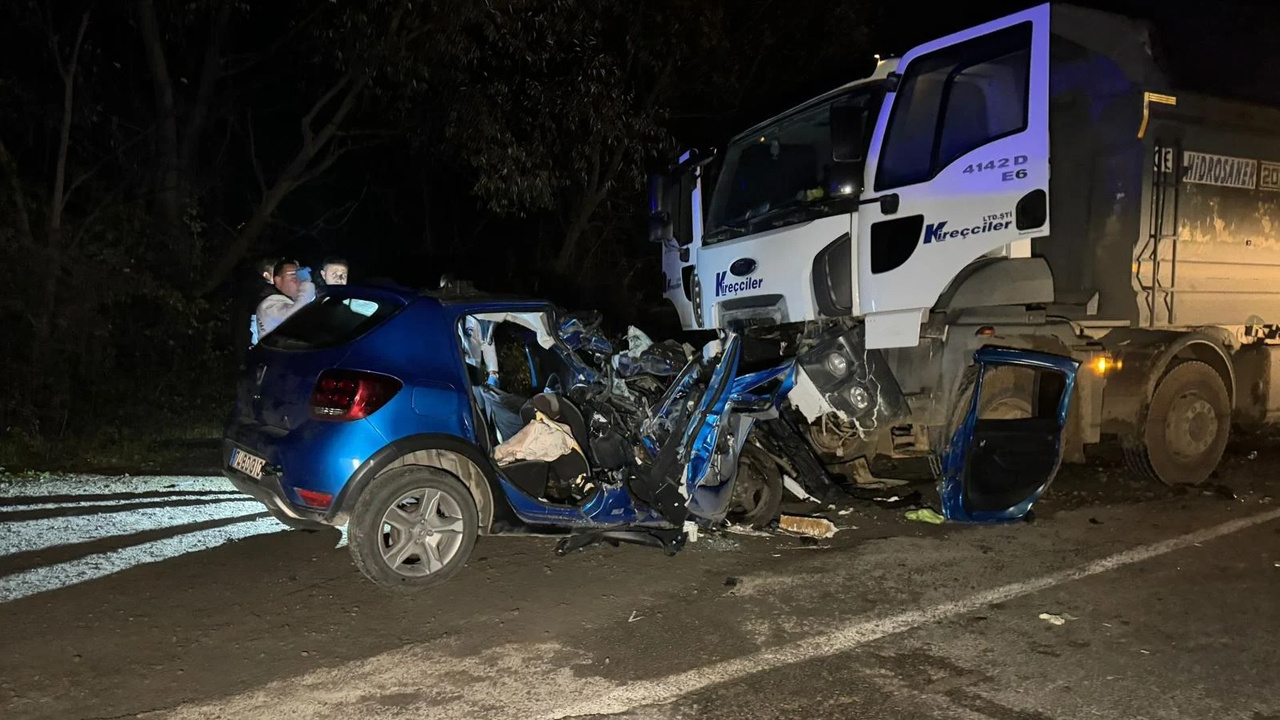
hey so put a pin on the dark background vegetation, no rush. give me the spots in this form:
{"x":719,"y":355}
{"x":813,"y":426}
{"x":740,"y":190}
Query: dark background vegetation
{"x":151,"y":149}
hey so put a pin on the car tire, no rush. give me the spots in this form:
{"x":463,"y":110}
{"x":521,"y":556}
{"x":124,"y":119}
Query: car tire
{"x":757,"y":490}
{"x":1186,"y":430}
{"x":398,"y":543}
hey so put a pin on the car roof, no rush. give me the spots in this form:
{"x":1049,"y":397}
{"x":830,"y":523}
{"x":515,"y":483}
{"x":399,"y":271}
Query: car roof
{"x":463,"y":297}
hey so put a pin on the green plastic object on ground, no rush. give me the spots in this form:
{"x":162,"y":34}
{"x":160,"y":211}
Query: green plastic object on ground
{"x":925,"y":515}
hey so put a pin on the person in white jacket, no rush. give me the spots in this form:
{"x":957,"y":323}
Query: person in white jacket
{"x":291,"y":295}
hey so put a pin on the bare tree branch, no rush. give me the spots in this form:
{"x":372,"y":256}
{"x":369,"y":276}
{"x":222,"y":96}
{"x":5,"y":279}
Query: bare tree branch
{"x":166,"y":111}
{"x":322,"y":223}
{"x":209,"y":74}
{"x":10,"y":170}
{"x":308,"y":135}
{"x":87,"y":222}
{"x":98,"y":166}
{"x":300,"y":170}
{"x":64,"y":136}
{"x":253,"y":157}
{"x":329,"y":159}
{"x":255,"y":59}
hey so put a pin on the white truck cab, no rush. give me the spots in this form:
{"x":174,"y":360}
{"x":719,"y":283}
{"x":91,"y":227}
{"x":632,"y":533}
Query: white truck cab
{"x":905,"y":220}
{"x":868,"y":200}
{"x":784,"y":186}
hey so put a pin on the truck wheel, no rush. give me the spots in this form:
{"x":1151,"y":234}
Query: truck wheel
{"x":1186,"y":429}
{"x":1007,"y":394}
{"x":413,"y":527}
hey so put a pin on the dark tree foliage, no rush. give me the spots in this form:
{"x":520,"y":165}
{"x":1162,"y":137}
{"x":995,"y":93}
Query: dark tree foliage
{"x":150,"y":149}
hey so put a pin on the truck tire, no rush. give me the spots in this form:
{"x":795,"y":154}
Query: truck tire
{"x":1007,"y":394}
{"x":1186,"y":428}
{"x":413,"y":527}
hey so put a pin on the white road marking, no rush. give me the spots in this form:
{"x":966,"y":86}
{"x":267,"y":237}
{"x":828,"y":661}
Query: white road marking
{"x":28,"y":535}
{"x":51,"y":577}
{"x":854,"y":634}
{"x":518,"y":681}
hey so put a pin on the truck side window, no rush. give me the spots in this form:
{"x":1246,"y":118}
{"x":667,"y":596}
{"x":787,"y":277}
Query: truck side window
{"x":953,"y":101}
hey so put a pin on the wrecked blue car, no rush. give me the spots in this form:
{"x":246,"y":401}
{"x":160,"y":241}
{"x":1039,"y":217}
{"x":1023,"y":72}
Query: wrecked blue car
{"x":422,"y":420}
{"x":378,"y":408}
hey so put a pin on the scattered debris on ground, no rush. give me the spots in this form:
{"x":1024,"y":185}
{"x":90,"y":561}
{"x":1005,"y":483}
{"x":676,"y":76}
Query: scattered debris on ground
{"x":794,"y":488}
{"x":925,"y":515}
{"x":1053,"y":619}
{"x":733,"y":529}
{"x":807,"y":526}
{"x":715,"y":543}
{"x":890,"y":500}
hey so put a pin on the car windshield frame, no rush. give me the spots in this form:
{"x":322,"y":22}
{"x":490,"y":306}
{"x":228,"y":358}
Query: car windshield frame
{"x":729,"y":217}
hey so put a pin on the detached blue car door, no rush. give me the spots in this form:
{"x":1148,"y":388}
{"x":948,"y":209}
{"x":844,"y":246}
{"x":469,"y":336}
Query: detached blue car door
{"x":995,"y":468}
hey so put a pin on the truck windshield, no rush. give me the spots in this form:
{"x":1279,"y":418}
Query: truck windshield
{"x":806,"y":165}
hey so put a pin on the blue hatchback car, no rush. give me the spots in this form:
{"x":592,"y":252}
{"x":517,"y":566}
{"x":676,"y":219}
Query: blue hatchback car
{"x":362,"y":409}
{"x":366,"y":408}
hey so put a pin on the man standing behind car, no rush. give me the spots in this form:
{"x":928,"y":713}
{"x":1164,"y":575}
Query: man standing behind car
{"x":291,"y":295}
{"x":333,"y":271}
{"x":263,"y":288}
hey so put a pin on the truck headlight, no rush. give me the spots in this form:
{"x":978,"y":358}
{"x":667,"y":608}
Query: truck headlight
{"x":837,"y":365}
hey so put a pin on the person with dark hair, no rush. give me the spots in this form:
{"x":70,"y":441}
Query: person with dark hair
{"x":333,"y":271}
{"x":291,"y":294}
{"x":253,"y":289}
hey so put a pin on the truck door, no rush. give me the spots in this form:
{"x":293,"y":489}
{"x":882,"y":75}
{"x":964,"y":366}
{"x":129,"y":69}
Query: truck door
{"x":995,"y":468}
{"x":680,"y":206}
{"x":959,"y":166}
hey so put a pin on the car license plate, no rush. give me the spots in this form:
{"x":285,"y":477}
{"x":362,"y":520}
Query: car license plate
{"x":250,"y":465}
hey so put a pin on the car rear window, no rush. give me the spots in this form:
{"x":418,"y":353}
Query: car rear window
{"x":330,"y":321}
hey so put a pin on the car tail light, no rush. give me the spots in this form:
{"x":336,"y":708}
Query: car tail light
{"x":314,"y":499}
{"x":351,"y":394}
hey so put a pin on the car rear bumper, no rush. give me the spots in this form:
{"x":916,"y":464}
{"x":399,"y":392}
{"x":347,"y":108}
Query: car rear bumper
{"x":315,"y":457}
{"x":270,"y":491}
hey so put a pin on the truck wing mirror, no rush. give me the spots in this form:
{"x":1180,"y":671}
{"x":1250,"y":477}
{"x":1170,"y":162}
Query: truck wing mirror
{"x":660,"y":226}
{"x":848,"y":124}
{"x":660,"y":229}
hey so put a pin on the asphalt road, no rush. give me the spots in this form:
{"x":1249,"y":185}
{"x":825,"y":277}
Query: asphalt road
{"x":173,"y":598}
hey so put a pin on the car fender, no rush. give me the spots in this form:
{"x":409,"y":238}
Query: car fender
{"x":449,"y":453}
